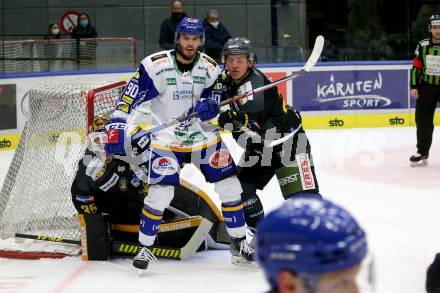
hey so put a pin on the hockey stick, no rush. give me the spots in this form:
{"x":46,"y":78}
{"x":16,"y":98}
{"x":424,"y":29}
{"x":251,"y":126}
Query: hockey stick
{"x":267,"y":143}
{"x":311,"y":62}
{"x":185,"y":252}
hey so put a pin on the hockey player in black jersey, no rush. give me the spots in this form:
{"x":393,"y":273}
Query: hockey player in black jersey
{"x":109,"y":197}
{"x":265,"y":114}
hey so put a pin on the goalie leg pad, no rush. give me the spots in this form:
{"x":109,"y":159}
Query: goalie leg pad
{"x":94,"y":237}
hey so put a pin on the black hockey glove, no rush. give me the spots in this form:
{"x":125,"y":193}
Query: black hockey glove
{"x":236,"y":119}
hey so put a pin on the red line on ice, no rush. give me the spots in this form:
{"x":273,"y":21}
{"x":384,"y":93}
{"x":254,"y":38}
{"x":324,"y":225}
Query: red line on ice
{"x":67,"y":281}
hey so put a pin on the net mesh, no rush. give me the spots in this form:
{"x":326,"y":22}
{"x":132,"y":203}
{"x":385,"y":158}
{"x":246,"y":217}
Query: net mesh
{"x":35,"y":198}
{"x":66,"y":54}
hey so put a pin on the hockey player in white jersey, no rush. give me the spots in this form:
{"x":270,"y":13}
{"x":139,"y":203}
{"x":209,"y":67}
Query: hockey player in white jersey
{"x":172,"y":82}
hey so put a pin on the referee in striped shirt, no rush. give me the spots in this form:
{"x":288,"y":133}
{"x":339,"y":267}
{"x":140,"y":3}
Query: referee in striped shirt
{"x":425,"y":87}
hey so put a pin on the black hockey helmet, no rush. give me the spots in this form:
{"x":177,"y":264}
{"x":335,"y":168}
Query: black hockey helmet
{"x":434,"y":20}
{"x":238,"y":46}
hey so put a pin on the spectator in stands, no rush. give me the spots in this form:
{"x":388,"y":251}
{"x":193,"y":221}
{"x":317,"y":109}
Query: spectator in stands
{"x":53,"y":32}
{"x":168,"y":26}
{"x":52,"y":49}
{"x":85,"y":51}
{"x":84,"y":28}
{"x":216,"y":35}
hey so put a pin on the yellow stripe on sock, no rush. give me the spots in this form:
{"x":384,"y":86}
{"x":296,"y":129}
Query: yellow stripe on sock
{"x":232,"y":209}
{"x":151,"y":216}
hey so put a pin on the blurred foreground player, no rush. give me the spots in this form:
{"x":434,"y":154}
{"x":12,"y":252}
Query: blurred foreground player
{"x":311,"y":245}
{"x":109,"y":197}
{"x":433,"y":276}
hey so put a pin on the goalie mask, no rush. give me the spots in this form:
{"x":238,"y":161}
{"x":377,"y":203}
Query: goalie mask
{"x":97,"y":133}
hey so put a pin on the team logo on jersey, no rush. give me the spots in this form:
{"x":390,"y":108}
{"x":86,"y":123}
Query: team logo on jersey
{"x":109,"y":184}
{"x":305,"y":171}
{"x":199,"y":79}
{"x":183,"y":95}
{"x":123,"y":184}
{"x":127,"y":99}
{"x":220,"y":159}
{"x":85,"y":199}
{"x":164,"y":166}
{"x":171,"y":81}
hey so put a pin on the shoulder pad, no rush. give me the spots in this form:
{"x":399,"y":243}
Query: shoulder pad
{"x":424,"y":42}
{"x":158,"y":56}
{"x":208,"y":59}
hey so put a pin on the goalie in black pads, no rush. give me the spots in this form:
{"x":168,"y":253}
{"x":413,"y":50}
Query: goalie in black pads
{"x":109,"y":197}
{"x":257,"y":119}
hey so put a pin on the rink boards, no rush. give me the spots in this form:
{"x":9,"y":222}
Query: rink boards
{"x":334,"y":95}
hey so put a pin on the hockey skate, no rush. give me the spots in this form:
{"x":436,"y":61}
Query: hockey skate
{"x":143,"y":258}
{"x":418,"y":160}
{"x":243,"y":252}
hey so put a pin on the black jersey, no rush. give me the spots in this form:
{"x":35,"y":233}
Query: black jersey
{"x":426,"y":64}
{"x":108,"y":186}
{"x":266,"y":109}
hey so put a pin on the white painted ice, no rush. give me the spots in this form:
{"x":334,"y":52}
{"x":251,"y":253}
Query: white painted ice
{"x":365,"y":170}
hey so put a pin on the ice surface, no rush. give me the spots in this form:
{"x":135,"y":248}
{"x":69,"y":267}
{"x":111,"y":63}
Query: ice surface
{"x":365,"y":170}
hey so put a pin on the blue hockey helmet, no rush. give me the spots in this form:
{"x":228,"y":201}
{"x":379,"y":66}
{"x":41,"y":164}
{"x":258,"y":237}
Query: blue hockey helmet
{"x":309,"y":236}
{"x":191,"y":26}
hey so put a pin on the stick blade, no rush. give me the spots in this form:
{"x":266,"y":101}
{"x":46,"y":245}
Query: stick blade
{"x":196,"y":240}
{"x":316,"y":53}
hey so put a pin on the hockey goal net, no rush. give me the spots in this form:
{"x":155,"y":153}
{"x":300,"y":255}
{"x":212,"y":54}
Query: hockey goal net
{"x":35,"y":198}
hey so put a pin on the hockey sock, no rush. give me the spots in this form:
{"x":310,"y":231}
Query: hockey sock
{"x":253,"y":209}
{"x":149,"y":225}
{"x":234,"y":218}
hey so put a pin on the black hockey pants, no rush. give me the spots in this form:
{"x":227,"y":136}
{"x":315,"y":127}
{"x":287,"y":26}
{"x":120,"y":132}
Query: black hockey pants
{"x":429,"y":96}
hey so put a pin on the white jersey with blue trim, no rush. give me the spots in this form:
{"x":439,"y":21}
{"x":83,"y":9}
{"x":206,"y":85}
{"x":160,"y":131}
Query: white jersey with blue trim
{"x":167,"y":92}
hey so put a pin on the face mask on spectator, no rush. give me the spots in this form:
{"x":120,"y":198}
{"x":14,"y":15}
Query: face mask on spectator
{"x":55,"y":31}
{"x":83,"y":22}
{"x":176,"y":15}
{"x":215,"y":23}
